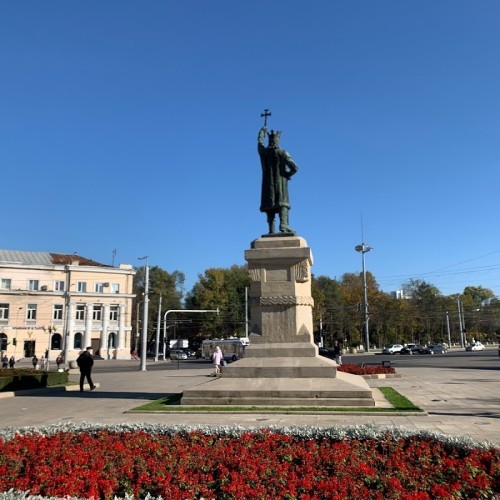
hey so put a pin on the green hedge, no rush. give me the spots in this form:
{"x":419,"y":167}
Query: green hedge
{"x":20,"y":379}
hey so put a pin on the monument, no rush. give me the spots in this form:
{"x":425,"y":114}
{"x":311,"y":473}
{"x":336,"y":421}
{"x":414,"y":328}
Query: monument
{"x":281,"y":366}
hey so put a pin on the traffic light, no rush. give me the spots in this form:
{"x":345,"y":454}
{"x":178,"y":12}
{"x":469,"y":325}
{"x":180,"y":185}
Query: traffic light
{"x":14,"y":341}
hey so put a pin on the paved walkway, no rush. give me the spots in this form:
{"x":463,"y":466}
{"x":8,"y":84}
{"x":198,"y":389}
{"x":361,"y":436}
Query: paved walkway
{"x":459,"y":402}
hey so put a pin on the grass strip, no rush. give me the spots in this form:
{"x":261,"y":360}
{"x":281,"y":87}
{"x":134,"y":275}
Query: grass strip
{"x":171,"y":403}
{"x":400,"y":402}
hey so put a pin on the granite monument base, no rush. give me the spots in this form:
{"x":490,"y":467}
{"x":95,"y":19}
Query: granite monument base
{"x":281,"y":366}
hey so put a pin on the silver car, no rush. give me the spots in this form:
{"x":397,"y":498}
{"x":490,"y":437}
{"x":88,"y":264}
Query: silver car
{"x":178,"y":355}
{"x":392,"y":349}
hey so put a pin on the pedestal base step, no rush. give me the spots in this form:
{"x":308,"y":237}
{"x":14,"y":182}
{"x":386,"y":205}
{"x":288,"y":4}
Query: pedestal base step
{"x":345,"y":390}
{"x":281,"y":402}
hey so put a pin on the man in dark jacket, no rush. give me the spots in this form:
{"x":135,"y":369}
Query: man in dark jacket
{"x":85,"y":362}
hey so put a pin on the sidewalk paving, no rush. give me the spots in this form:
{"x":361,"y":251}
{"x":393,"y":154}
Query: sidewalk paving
{"x":458,"y":402}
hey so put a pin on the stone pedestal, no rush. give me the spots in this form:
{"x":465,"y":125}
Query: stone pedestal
{"x":281,"y":366}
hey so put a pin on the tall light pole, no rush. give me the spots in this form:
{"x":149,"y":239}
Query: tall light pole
{"x":50,"y":330}
{"x":144,"y":340}
{"x":362,"y":249}
{"x":158,"y":326}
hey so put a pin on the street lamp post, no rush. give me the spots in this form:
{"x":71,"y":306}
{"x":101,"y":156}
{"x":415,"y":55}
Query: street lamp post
{"x":50,"y":330}
{"x":144,"y":340}
{"x":362,"y":249}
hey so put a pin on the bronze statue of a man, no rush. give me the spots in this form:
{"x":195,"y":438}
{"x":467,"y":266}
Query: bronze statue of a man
{"x":277,"y":168}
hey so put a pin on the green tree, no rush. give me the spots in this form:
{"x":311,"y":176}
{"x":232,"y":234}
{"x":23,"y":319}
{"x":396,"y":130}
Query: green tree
{"x":223,"y":289}
{"x":428,"y":310}
{"x":477,"y":294}
{"x":328,"y":308}
{"x":161,"y":283}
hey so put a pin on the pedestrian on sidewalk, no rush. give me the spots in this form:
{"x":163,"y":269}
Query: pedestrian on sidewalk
{"x":34,"y":360}
{"x":85,"y":362}
{"x":337,"y":351}
{"x":217,"y":358}
{"x":12,"y":362}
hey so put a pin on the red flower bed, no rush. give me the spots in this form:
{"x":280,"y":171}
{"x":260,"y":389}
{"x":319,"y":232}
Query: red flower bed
{"x":260,"y":464}
{"x":365,"y":369}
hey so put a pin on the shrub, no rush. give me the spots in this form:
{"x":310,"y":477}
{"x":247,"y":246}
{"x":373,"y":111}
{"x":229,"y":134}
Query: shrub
{"x":365,"y":369}
{"x":20,"y":379}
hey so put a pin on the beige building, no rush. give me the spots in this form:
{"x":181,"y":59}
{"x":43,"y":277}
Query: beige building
{"x":63,"y":303}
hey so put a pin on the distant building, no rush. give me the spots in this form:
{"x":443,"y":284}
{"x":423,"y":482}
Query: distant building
{"x":63,"y":303}
{"x":399,"y":294}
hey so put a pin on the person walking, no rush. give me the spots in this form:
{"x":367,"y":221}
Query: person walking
{"x":5,"y":361}
{"x":337,"y":351}
{"x":34,"y":360}
{"x":12,"y":362}
{"x":85,"y":362}
{"x":217,"y":358}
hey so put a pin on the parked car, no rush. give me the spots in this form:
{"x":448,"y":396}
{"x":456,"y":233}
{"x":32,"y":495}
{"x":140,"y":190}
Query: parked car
{"x":178,"y":354}
{"x":411,"y":349}
{"x":438,"y":348}
{"x":190,"y":353}
{"x":475,"y":346}
{"x":392,"y":349}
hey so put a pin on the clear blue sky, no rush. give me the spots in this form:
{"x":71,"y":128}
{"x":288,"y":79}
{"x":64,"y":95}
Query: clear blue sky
{"x":132,"y":126}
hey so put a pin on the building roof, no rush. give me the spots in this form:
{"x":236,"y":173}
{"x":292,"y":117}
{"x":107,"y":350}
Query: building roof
{"x":45,"y":259}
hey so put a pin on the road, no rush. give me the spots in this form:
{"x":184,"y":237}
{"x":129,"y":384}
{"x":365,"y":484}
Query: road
{"x":453,"y":359}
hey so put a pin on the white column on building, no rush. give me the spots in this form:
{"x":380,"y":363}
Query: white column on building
{"x":121,"y":327}
{"x":104,"y":333}
{"x":87,"y":338}
{"x":70,"y":334}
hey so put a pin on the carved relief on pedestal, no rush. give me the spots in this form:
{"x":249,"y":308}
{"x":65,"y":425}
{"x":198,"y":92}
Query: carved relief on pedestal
{"x":254,"y":274}
{"x":301,"y":271}
{"x":283,"y":300}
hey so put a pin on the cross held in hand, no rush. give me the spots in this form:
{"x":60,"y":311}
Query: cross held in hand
{"x":265,"y":115}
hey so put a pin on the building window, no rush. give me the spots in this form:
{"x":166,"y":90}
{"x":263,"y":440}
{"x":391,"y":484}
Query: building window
{"x":3,"y":341}
{"x":113,"y":313}
{"x":59,"y":286}
{"x":4,"y":311}
{"x":99,"y":287}
{"x":55,"y":342}
{"x":31,"y":312}
{"x":97,"y":313}
{"x":81,"y":286}
{"x":33,"y":285}
{"x":115,"y":287}
{"x":111,"y":340}
{"x":5,"y":283}
{"x":80,"y":312}
{"x":57,"y":312}
{"x":77,"y":344}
